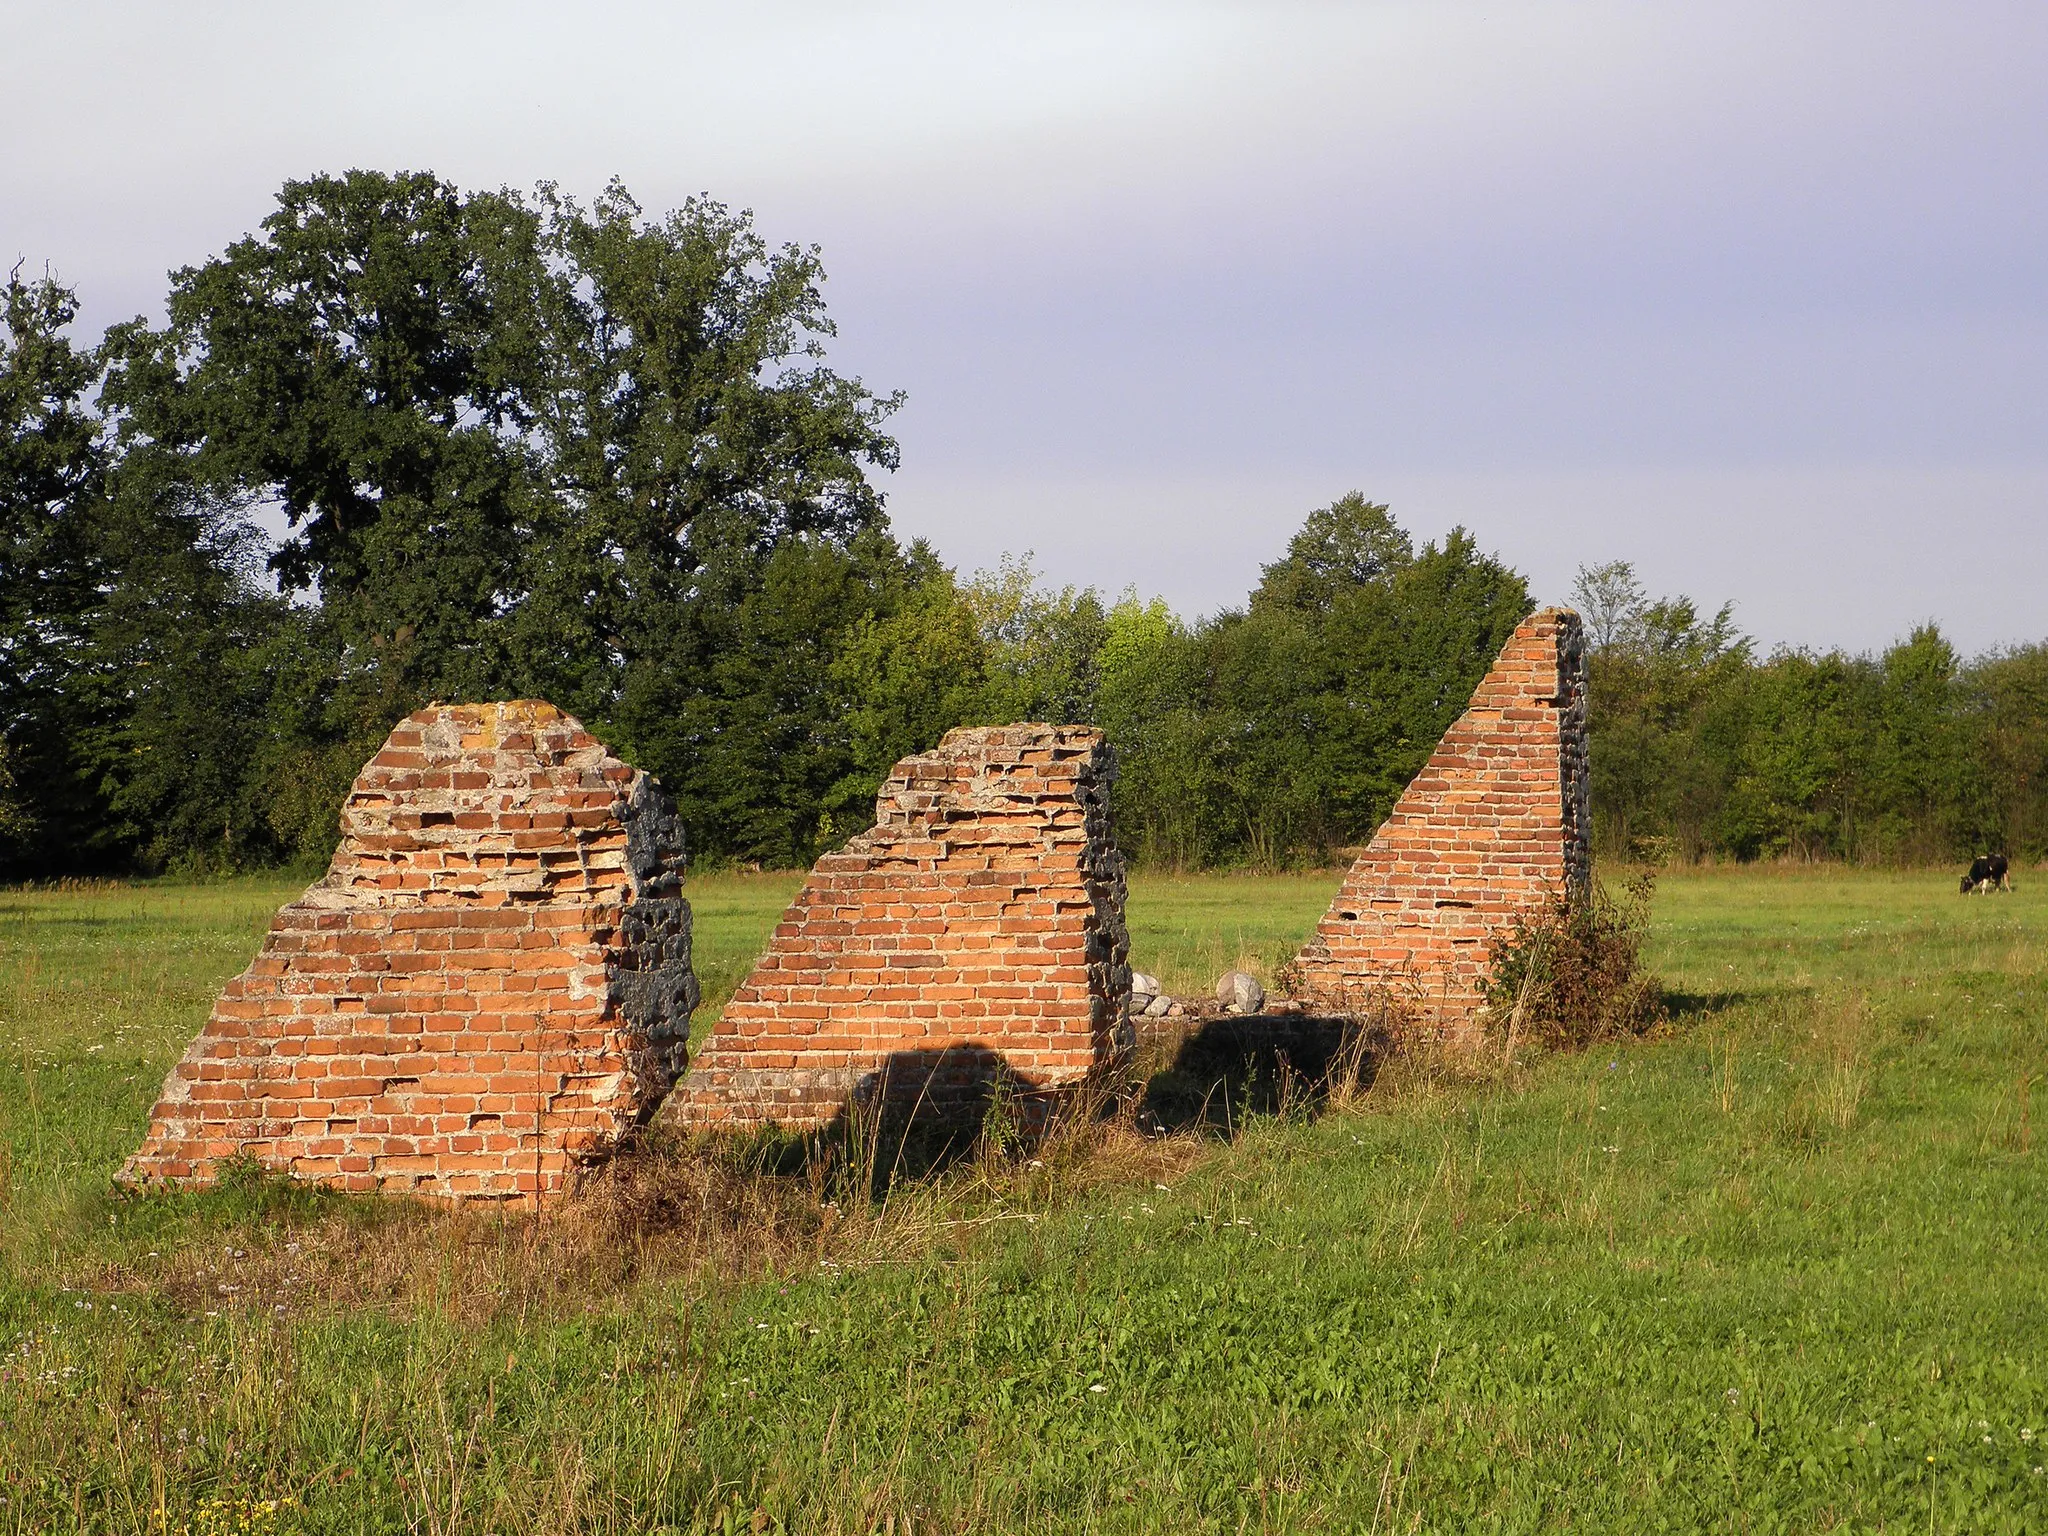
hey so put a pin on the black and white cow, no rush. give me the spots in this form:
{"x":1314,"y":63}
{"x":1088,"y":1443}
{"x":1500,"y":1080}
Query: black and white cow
{"x":1987,"y":873}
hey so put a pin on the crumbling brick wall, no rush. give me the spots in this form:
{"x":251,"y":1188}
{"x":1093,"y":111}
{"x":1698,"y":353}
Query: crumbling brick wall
{"x":975,"y":933}
{"x":1495,"y":821}
{"x":490,"y":985}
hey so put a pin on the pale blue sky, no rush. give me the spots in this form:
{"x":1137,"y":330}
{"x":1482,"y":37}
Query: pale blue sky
{"x":1753,"y":295}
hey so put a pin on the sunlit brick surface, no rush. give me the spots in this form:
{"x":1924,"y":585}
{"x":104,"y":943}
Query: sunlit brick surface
{"x":490,"y":985}
{"x":976,"y":932}
{"x":1497,"y":818}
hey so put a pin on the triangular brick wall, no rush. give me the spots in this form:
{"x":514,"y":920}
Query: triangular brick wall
{"x":1496,"y":820}
{"x":490,"y":985}
{"x":975,"y":934}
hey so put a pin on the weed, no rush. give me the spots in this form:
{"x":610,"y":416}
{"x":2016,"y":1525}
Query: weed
{"x":237,"y":1515}
{"x":1572,"y":973}
{"x":1727,"y":1053}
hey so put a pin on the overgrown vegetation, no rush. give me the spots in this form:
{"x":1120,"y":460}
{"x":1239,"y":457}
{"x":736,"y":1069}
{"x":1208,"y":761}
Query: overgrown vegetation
{"x":1572,"y":973}
{"x":1773,"y":1269}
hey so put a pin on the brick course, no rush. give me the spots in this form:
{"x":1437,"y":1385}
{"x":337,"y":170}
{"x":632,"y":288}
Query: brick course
{"x":977,"y":931}
{"x":1497,"y":819}
{"x":491,"y":984}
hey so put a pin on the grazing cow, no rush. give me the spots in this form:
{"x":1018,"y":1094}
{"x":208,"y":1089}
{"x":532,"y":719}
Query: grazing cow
{"x":1987,"y":873}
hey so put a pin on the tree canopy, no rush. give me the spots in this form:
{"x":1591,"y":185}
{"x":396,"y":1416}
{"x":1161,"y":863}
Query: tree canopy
{"x":408,"y":442}
{"x":1703,"y":748}
{"x":515,"y":441}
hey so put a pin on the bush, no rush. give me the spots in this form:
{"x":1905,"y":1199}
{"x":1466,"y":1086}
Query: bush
{"x":1572,"y":972}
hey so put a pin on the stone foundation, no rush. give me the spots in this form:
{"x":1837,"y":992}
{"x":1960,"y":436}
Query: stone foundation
{"x":491,"y":984}
{"x":972,"y":940}
{"x":1496,"y":821}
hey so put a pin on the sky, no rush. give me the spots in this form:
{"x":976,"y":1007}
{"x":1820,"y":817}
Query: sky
{"x":1752,"y":296}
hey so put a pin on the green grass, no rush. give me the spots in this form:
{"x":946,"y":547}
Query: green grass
{"x":1189,"y":929}
{"x":101,"y":989}
{"x":731,"y":918}
{"x":1780,"y":1270}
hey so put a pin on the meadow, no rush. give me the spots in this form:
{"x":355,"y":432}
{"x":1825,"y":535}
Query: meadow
{"x":1777,"y":1268}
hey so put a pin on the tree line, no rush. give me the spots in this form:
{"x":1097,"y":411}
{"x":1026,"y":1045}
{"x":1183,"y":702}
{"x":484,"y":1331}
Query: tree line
{"x":409,"y":442}
{"x":1702,"y":748}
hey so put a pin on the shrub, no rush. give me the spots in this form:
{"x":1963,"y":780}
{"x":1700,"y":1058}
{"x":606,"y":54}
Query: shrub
{"x":1572,"y":972}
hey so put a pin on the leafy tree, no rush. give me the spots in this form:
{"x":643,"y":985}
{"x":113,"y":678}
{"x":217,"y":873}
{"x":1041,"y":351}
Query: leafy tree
{"x":1662,"y":678}
{"x":754,"y":738}
{"x":1152,"y":699}
{"x":1922,"y":756}
{"x":1700,"y":748}
{"x":1611,"y":602}
{"x":911,"y":667}
{"x":1802,"y":758}
{"x":360,"y":365}
{"x":521,"y":446}
{"x":2006,"y":704}
{"x":17,"y":820}
{"x":1343,"y":548}
{"x":1042,"y":646}
{"x":134,"y":629}
{"x":183,"y":661}
{"x":1277,"y":729}
{"x":52,"y":482}
{"x":526,"y":448}
{"x":1412,"y":660}
{"x":1316,"y":705}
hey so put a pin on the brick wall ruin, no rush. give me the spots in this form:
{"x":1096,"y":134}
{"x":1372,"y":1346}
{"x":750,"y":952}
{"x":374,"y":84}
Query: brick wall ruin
{"x":975,"y":933}
{"x":1497,"y":819}
{"x":493,"y":983}
{"x":490,"y":985}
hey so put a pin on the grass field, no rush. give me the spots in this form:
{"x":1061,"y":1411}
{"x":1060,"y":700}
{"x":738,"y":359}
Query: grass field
{"x":1778,"y":1270}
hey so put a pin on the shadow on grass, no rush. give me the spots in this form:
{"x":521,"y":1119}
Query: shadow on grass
{"x":930,"y":1135}
{"x":918,"y":1117}
{"x":1228,"y":1069}
{"x":924,"y":1112}
{"x":1694,"y":1007}
{"x":28,"y":912}
{"x":914,"y":1117}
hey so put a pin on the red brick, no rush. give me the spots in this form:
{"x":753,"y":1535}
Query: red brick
{"x":890,"y":952}
{"x":379,"y":1008}
{"x":1494,"y":823}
